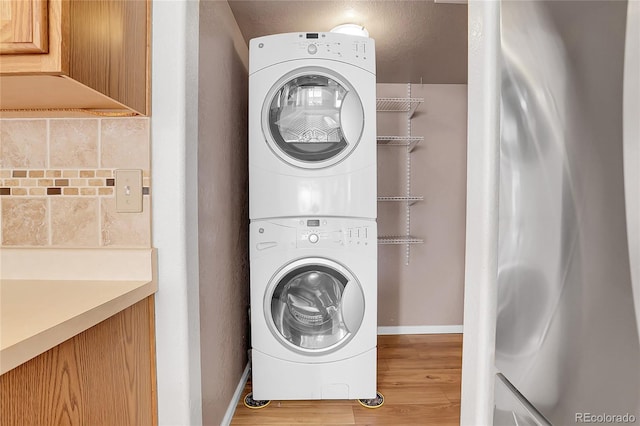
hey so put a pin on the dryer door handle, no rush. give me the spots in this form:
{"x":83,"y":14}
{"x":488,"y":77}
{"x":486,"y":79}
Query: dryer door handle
{"x":352,"y":306}
{"x":351,"y":117}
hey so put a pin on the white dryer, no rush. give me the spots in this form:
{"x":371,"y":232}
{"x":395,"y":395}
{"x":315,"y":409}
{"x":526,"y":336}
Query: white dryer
{"x":313,"y":308}
{"x":312,"y":126}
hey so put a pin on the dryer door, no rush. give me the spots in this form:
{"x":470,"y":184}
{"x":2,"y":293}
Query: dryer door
{"x":314,"y":305}
{"x":312,"y":118}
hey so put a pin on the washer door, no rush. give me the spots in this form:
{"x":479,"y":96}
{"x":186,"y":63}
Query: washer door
{"x":312,"y":118}
{"x":314,"y":305}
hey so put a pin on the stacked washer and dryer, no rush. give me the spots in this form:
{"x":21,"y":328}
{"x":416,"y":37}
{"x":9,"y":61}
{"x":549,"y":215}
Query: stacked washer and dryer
{"x":312,"y":206}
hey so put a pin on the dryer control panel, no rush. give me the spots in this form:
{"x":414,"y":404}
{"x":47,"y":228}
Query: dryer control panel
{"x":354,"y":50}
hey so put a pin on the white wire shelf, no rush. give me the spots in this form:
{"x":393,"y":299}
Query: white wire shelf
{"x":407,"y":199}
{"x":408,"y":141}
{"x":408,"y":105}
{"x":399,"y":240}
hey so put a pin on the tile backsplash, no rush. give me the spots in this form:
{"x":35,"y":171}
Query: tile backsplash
{"x":57,"y":182}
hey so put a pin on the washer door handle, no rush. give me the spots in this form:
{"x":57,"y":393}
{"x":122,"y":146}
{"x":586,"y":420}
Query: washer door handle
{"x":352,"y":307}
{"x":351,"y":117}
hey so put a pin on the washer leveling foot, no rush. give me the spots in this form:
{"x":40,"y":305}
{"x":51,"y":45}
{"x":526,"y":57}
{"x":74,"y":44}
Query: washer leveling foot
{"x":254,"y":404}
{"x":373,"y":402}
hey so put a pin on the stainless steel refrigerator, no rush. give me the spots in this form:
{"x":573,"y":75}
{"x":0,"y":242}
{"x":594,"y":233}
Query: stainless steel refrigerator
{"x":567,"y":341}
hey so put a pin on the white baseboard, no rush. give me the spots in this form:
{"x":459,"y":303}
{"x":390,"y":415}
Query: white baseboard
{"x":231,"y":409}
{"x":421,"y":329}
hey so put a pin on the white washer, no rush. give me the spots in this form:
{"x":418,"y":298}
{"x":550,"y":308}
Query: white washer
{"x":313,"y":308}
{"x":312,"y":126}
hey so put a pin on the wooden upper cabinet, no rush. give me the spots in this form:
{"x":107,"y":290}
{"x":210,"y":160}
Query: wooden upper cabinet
{"x":96,"y":58}
{"x":23,"y":26}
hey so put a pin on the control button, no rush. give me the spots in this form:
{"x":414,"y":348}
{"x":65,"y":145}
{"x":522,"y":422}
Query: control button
{"x":313,"y":238}
{"x":312,"y":49}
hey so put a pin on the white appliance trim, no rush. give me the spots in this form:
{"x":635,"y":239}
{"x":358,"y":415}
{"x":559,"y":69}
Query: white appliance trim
{"x":420,"y":329}
{"x":231,"y":408}
{"x":483,"y":149}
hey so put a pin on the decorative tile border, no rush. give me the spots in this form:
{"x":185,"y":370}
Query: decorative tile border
{"x":54,"y":182}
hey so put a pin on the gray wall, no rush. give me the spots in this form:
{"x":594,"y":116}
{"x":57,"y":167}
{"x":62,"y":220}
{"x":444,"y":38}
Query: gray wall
{"x":428,"y":292}
{"x":222,"y":207}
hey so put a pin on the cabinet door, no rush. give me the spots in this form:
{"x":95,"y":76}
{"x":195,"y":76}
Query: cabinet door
{"x":23,"y":26}
{"x":104,"y":376}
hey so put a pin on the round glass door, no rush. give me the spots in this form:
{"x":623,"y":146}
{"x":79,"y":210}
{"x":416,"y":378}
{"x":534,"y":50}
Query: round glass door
{"x":312,"y":118}
{"x":315,"y":306}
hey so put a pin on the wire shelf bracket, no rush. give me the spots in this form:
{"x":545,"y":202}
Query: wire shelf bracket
{"x":407,"y":141}
{"x":412,"y":199}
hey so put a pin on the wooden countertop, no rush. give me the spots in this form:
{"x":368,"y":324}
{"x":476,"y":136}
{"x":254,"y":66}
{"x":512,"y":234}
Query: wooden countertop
{"x":37,"y":314}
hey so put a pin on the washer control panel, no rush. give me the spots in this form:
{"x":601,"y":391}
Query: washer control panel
{"x":326,"y":233}
{"x":266,"y":236}
{"x":357,"y":235}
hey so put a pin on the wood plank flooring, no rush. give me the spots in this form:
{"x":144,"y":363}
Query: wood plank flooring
{"x":419,"y":375}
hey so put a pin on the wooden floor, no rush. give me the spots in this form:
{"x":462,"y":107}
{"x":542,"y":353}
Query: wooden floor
{"x":419,"y":376}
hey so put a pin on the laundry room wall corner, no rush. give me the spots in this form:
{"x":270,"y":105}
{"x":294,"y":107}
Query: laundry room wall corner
{"x":223,"y":219}
{"x":173,"y":150}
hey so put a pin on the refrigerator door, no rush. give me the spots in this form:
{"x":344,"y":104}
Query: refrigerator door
{"x":512,"y":409}
{"x":566,"y":332}
{"x":631,"y":146}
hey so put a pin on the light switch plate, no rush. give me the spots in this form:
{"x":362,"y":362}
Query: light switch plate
{"x":128,"y":191}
